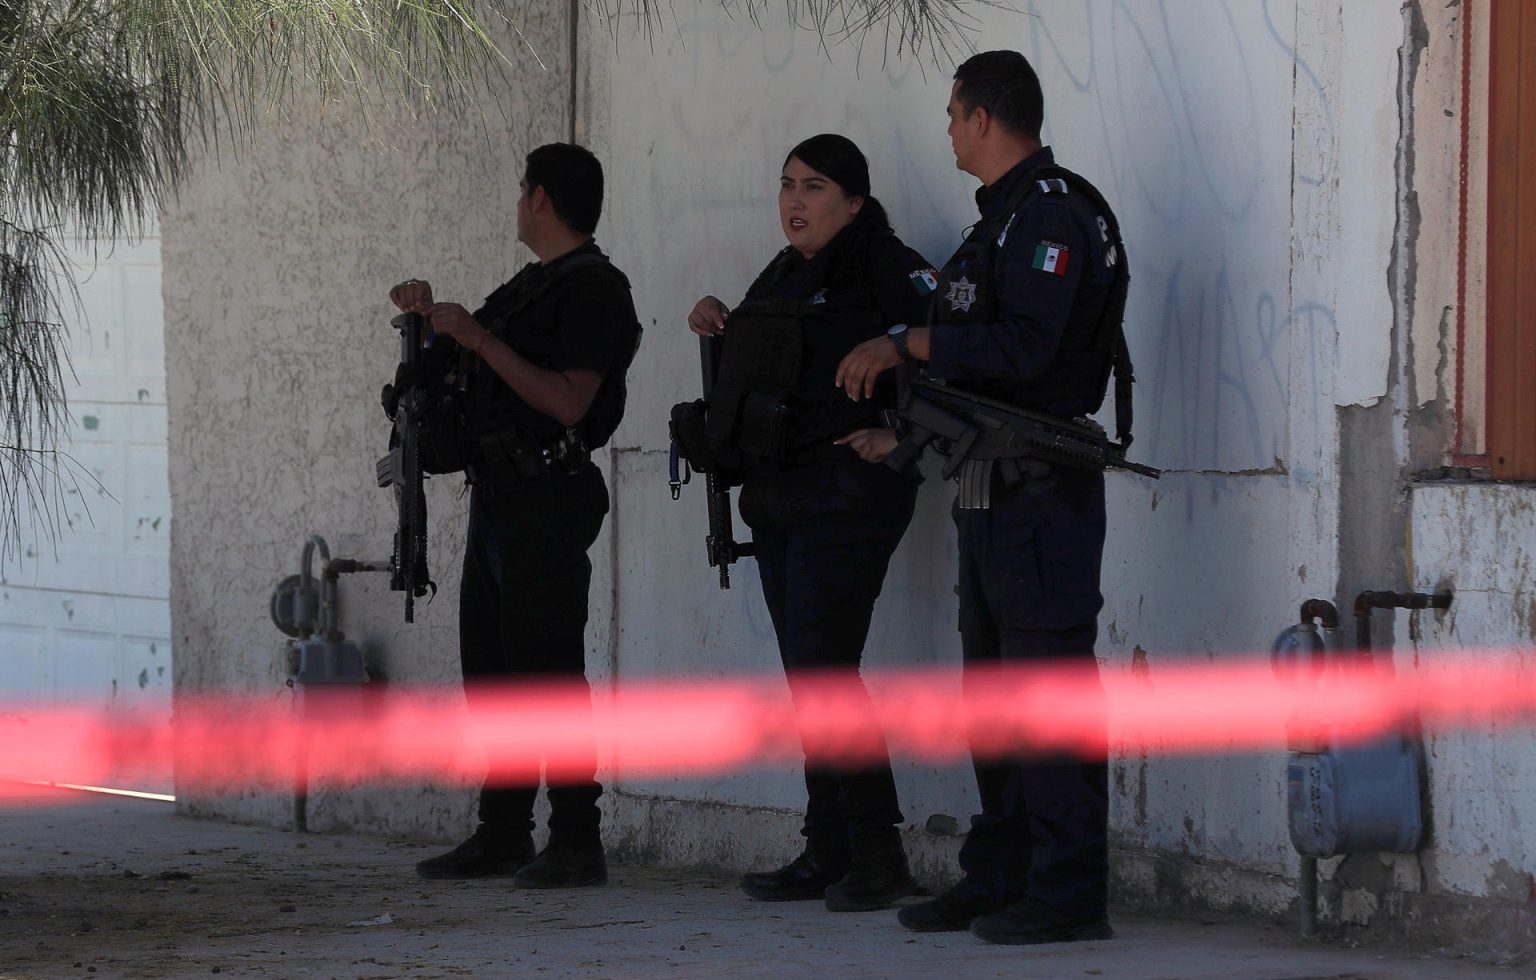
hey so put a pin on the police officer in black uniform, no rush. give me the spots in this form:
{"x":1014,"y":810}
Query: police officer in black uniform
{"x":1024,"y":313}
{"x":825,"y":522}
{"x":549,"y":351}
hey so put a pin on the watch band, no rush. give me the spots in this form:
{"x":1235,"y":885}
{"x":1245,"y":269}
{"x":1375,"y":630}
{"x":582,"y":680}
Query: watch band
{"x":899,"y":338}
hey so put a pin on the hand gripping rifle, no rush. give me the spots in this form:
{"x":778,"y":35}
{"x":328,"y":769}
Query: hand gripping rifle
{"x":401,"y":468}
{"x":977,"y":428}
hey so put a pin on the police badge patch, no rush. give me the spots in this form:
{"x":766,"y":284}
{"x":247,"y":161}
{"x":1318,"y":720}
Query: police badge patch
{"x":962,"y":295}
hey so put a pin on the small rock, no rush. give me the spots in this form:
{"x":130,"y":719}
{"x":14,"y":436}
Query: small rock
{"x":216,"y":970}
{"x":943,"y":825}
{"x":193,"y":889}
{"x":285,"y":908}
{"x":130,"y":873}
{"x":172,"y":876}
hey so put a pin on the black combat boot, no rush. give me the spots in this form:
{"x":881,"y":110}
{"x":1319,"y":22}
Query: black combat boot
{"x":1030,"y":923}
{"x":801,"y":879}
{"x":875,"y":879}
{"x":565,"y":865}
{"x":486,"y":854}
{"x":953,"y":911}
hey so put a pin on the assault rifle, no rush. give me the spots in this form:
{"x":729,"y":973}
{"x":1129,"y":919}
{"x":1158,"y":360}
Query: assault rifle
{"x":401,"y":467}
{"x":980,"y":429}
{"x":721,"y":541}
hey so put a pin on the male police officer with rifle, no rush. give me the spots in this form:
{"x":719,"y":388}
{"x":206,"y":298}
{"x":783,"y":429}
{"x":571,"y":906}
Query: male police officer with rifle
{"x":542,"y":368}
{"x":1026,"y":329}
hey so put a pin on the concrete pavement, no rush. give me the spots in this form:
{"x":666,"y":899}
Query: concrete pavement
{"x":108,"y":887}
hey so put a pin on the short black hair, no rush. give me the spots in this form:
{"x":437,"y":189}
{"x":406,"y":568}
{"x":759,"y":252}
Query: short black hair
{"x":1004,"y":84}
{"x":573,"y":179}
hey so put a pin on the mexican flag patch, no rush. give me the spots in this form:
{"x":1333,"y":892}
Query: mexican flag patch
{"x":1051,"y":257}
{"x":924,"y":281}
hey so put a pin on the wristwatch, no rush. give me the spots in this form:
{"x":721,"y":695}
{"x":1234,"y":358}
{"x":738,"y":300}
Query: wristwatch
{"x":898,"y":335}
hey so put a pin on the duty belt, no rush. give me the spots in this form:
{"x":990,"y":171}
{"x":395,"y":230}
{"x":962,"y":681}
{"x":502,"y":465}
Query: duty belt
{"x":512,"y":456}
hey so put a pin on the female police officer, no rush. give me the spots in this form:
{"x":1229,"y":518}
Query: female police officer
{"x":825,"y":522}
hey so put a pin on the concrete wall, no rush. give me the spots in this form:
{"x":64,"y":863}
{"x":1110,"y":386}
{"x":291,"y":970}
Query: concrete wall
{"x":1233,"y":326}
{"x":279,"y":260}
{"x":1279,"y":171}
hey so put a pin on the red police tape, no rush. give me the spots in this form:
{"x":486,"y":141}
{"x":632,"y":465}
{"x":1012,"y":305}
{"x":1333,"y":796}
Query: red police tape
{"x":380,"y":735}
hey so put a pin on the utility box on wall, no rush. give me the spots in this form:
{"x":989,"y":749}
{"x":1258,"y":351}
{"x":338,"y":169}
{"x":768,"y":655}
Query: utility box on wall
{"x":1355,"y":798}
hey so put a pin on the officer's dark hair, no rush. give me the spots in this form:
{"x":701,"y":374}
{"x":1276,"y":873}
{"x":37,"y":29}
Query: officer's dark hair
{"x":573,"y":179}
{"x":1004,"y":84}
{"x":840,"y":160}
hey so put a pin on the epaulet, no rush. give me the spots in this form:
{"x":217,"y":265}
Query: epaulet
{"x":1052,"y":185}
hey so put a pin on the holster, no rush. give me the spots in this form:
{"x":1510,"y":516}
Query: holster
{"x":512,"y":456}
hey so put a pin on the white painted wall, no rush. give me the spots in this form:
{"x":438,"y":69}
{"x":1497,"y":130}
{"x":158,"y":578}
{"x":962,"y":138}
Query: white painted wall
{"x":1232,"y":325}
{"x":85,"y":605}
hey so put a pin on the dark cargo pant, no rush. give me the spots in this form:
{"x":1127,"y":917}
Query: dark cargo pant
{"x":1029,"y":592}
{"x":523,"y":615}
{"x":824,"y":535}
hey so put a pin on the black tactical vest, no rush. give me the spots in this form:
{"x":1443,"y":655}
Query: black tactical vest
{"x":967,"y":293}
{"x":495,"y":403}
{"x":818,"y":409}
{"x":785,"y":352}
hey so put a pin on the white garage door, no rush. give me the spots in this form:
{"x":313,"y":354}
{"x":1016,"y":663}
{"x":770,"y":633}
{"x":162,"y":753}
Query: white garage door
{"x":88,"y":617}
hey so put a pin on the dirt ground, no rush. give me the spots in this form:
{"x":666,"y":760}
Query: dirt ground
{"x":124,"y":888}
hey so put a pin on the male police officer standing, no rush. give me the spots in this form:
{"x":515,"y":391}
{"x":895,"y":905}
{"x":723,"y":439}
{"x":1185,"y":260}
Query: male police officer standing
{"x":550,"y":350}
{"x":1024,"y":314}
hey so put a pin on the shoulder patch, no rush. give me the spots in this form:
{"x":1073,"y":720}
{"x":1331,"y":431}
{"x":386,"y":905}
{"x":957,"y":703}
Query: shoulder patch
{"x":1055,"y":185}
{"x":1051,"y":257}
{"x":925,"y":281}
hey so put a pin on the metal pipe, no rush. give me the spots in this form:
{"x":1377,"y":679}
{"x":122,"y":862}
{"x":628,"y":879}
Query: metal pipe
{"x":307,"y":574}
{"x":1307,"y":887}
{"x":326,"y":622}
{"x":1320,"y":609}
{"x":1367,"y":601}
{"x":1327,"y":614}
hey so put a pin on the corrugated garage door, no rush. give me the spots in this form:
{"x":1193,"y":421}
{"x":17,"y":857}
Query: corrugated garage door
{"x":89,"y":617}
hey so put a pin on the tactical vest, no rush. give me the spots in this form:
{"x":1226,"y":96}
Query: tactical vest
{"x":967,"y":293}
{"x":774,"y":397}
{"x":510,"y":301}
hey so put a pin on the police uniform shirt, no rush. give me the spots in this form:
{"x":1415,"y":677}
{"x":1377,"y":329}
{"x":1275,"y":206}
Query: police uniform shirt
{"x":582,"y":320}
{"x":1051,"y":276}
